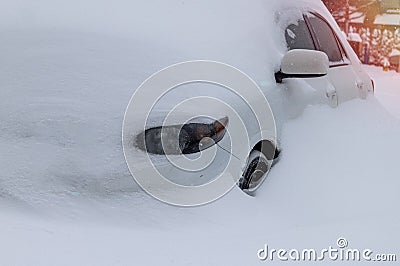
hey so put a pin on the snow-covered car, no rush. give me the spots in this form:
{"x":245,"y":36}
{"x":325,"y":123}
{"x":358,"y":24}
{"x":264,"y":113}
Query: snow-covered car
{"x":299,"y":57}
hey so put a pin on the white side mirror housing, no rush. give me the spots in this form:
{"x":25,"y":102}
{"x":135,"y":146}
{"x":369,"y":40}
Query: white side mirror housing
{"x":300,"y":63}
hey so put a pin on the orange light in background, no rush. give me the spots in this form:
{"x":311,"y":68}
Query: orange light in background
{"x":372,"y":28}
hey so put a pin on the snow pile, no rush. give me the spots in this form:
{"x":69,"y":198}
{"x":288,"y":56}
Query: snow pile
{"x":68,"y":70}
{"x":68,"y":74}
{"x":387,"y":92}
{"x":338,"y":176}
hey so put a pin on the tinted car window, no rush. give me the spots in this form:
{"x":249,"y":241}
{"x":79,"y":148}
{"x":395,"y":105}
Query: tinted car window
{"x":299,"y":37}
{"x":326,"y":39}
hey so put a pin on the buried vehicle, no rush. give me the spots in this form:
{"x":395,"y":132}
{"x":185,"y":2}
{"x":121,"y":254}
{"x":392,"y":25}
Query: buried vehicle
{"x":192,"y":123}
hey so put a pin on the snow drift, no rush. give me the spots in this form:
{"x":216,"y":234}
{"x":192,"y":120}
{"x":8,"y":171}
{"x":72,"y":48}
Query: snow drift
{"x":68,"y":70}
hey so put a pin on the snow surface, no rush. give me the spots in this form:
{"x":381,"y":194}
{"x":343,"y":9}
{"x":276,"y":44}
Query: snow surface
{"x":66,"y":194}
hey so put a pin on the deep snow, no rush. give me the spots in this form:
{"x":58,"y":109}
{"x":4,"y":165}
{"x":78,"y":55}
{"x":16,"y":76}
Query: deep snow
{"x":67,"y":197}
{"x":340,"y":181}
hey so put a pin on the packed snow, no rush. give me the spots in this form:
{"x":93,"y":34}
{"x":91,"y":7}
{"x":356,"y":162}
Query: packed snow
{"x":67,"y":196}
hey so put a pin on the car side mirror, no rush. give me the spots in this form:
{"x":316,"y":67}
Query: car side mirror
{"x":300,"y":63}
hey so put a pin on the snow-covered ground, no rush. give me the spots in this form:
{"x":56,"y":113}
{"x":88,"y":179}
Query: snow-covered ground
{"x":390,"y":96}
{"x":338,"y":177}
{"x":68,"y":198}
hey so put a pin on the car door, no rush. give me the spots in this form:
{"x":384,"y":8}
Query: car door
{"x":341,"y":73}
{"x":301,"y":92}
{"x":314,"y":33}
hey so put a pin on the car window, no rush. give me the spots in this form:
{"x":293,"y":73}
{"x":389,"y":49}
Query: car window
{"x":326,"y":39}
{"x":298,"y":36}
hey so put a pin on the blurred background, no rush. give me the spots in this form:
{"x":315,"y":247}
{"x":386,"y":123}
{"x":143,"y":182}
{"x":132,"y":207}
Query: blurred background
{"x":372,"y":28}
